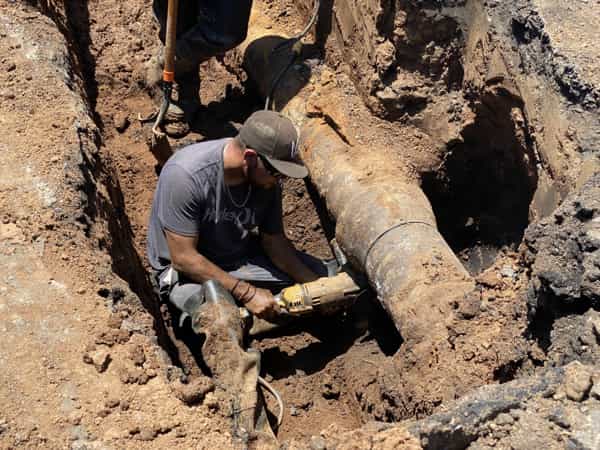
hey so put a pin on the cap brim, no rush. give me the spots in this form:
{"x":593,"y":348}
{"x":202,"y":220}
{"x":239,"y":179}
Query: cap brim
{"x":288,"y":168}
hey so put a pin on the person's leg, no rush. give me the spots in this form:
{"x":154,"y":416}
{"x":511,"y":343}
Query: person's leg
{"x":259,"y":270}
{"x":219,"y":27}
{"x":185,"y":100}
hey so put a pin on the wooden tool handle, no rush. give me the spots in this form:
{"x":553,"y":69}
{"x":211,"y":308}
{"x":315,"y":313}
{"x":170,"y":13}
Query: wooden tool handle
{"x":171,"y":38}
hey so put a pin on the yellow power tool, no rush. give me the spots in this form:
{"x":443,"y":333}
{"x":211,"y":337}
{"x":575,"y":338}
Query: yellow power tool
{"x":323,"y":295}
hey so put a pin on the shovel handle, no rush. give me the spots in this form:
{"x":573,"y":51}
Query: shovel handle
{"x":170,"y":40}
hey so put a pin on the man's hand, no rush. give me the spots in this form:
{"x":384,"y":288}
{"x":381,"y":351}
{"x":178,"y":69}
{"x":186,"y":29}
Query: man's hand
{"x":263,"y":304}
{"x":259,"y":302}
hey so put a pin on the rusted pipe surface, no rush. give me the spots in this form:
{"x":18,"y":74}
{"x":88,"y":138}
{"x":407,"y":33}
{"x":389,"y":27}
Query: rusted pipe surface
{"x":384,"y":224}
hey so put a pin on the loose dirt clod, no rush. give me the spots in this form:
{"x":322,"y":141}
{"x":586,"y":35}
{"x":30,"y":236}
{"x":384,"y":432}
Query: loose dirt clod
{"x":121,"y":121}
{"x":578,"y":381}
{"x":193,"y":392}
{"x":99,"y":358}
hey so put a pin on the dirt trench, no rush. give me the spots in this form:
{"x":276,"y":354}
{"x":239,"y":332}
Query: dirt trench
{"x":319,"y":374}
{"x":343,"y":370}
{"x":320,"y":366}
{"x":338,"y":370}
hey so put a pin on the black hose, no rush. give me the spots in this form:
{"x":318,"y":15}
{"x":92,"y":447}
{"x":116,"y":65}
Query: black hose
{"x":291,"y":42}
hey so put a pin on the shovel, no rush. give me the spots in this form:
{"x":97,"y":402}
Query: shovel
{"x":159,"y":145}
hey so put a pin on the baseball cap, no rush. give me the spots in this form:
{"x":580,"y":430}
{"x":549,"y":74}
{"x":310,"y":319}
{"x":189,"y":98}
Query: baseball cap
{"x":274,"y":137}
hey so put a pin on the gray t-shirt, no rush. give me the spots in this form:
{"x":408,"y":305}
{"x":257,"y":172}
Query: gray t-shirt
{"x":191,"y":199}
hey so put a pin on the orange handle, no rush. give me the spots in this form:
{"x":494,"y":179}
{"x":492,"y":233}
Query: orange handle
{"x":168,"y":77}
{"x":170,"y":40}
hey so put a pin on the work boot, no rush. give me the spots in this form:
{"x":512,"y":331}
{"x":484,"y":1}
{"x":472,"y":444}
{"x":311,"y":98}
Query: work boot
{"x":174,"y":126}
{"x":184,"y":105}
{"x":184,"y":98}
{"x":186,"y":92}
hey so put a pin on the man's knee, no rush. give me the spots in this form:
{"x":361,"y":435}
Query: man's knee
{"x":187,"y":297}
{"x":210,"y":299}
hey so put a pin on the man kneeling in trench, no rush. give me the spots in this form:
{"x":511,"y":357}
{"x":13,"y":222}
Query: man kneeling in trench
{"x":206,"y":255}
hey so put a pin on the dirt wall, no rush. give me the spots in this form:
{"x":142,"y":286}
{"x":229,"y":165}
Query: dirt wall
{"x":409,"y":60}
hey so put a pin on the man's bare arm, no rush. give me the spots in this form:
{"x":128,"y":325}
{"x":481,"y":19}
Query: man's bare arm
{"x":186,"y":259}
{"x":283,"y":254}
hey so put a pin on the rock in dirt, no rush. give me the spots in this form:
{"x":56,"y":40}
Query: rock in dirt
{"x":508,"y":272}
{"x":373,"y":436}
{"x":99,"y":358}
{"x":147,"y":434}
{"x":133,"y":375}
{"x":193,"y":392}
{"x":114,"y":322}
{"x":111,"y":337}
{"x":578,"y":381}
{"x":121,"y":121}
{"x":7,"y":95}
{"x":504,"y":419}
{"x":573,"y":339}
{"x":465,"y":420}
{"x":137,"y":355}
{"x":211,"y":401}
{"x":112,"y":402}
{"x":104,"y":412}
{"x":559,"y":417}
{"x":469,"y":306}
{"x":75,"y":418}
{"x":564,"y":252}
{"x":317,"y":443}
{"x":330,"y":388}
{"x":489,"y":278}
{"x":585,"y":432}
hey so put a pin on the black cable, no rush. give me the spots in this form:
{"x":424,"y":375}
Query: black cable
{"x":296,"y":50}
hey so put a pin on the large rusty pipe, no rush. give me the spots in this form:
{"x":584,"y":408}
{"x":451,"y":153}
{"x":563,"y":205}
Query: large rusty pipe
{"x":388,"y":229}
{"x":384,"y":224}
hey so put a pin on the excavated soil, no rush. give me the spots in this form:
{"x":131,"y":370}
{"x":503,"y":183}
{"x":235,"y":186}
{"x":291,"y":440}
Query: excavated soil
{"x":126,"y":379}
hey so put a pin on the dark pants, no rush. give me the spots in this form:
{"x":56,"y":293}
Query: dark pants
{"x":206,"y":28}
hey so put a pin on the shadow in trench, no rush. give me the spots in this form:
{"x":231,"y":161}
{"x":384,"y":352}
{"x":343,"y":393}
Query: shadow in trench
{"x":481,"y":194}
{"x":75,"y":27}
{"x":336,"y":334}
